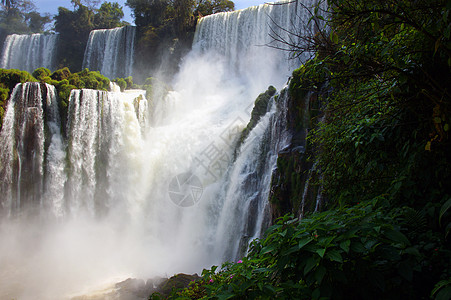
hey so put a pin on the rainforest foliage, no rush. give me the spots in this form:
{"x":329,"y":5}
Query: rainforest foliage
{"x":382,"y":72}
{"x":21,"y":17}
{"x":165,"y":30}
{"x":63,"y":80}
{"x":75,"y":25}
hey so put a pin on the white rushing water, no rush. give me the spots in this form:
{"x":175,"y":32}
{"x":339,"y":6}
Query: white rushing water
{"x":111,"y":51}
{"x":137,"y":189}
{"x":29,"y":52}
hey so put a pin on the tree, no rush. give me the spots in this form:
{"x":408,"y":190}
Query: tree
{"x":109,"y":15}
{"x":36,"y":22}
{"x":208,"y":7}
{"x":74,"y":28}
{"x":21,"y":17}
{"x":91,"y":4}
{"x":148,"y":12}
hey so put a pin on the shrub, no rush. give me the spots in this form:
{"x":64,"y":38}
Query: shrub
{"x":360,"y":252}
{"x":61,"y":74}
{"x":121,"y":83}
{"x":41,"y":73}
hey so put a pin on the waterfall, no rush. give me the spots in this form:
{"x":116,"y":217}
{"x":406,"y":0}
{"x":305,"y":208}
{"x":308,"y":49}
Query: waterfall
{"x":143,"y":189}
{"x":250,"y":39}
{"x":111,"y":51}
{"x":246,"y":209}
{"x":29,"y":52}
{"x":22,"y":144}
{"x":104,"y":137}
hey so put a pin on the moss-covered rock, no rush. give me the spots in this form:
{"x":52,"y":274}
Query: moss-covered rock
{"x":93,"y":80}
{"x":61,"y":74}
{"x":9,"y":78}
{"x":259,"y":110}
{"x":41,"y":73}
{"x":121,"y":83}
{"x":295,"y":183}
{"x":155,"y":88}
{"x":176,"y":282}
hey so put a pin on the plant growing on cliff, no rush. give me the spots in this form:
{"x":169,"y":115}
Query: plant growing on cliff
{"x":360,"y":252}
{"x":63,"y":80}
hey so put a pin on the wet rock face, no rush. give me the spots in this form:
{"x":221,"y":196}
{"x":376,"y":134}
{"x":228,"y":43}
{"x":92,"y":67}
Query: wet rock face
{"x":294,"y":184}
{"x":139,"y":289}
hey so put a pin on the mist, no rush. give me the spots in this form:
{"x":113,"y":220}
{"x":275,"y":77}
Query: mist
{"x":140,"y":193}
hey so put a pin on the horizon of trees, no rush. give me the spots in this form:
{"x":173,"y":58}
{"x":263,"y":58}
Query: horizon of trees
{"x":162,"y":25}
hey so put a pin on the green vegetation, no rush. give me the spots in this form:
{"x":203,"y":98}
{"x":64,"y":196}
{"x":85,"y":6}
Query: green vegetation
{"x":259,"y":110}
{"x":361,"y":252}
{"x":63,"y":80}
{"x":8,"y":80}
{"x":74,"y":28}
{"x":21,"y":17}
{"x":165,"y":30}
{"x":382,"y":72}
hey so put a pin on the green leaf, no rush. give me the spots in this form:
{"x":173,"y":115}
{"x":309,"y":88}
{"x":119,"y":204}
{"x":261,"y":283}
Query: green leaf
{"x":412,"y":251}
{"x":444,"y":294}
{"x":345,"y":245}
{"x":357,"y":247}
{"x":334,"y":37}
{"x":268,"y":249}
{"x":437,"y":45}
{"x":397,"y":237}
{"x":270,"y":288}
{"x":321,"y":252}
{"x":304,"y":242}
{"x":261,"y":270}
{"x":226,"y":295}
{"x":443,"y":210}
{"x":405,"y":270}
{"x":291,"y":250}
{"x":319,"y":274}
{"x":334,"y":255}
{"x":309,"y":265}
{"x":446,"y":127}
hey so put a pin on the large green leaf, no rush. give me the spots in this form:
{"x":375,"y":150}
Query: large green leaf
{"x":309,"y":265}
{"x":444,"y":209}
{"x":397,"y":237}
{"x":334,"y":255}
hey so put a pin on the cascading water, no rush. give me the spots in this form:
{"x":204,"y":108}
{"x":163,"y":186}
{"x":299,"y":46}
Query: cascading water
{"x":138,"y":193}
{"x":104,"y":136}
{"x":246,"y":208}
{"x":22,"y":144}
{"x":29,"y":52}
{"x":251,"y":39}
{"x":110,"y":51}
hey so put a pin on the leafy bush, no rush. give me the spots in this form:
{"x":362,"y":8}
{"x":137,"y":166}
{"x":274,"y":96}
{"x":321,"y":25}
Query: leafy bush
{"x":41,"y":73}
{"x":259,"y":110}
{"x":9,"y":78}
{"x":360,"y":252}
{"x":93,"y":80}
{"x":121,"y":83}
{"x":63,"y":80}
{"x":61,"y":74}
{"x":155,"y":88}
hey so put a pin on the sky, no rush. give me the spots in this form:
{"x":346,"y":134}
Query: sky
{"x":51,"y":6}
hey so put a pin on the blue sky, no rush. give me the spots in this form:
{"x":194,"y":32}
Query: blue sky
{"x":51,"y":6}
